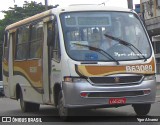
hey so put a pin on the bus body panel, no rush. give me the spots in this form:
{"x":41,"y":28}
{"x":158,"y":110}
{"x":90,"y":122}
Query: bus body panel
{"x":86,"y":87}
{"x":30,"y":93}
{"x":10,"y":66}
{"x":104,"y":91}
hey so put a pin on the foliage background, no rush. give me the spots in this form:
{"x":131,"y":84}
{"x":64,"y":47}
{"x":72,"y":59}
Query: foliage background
{"x":15,"y":14}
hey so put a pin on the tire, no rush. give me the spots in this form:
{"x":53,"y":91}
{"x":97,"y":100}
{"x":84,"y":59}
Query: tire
{"x":34,"y":107}
{"x":64,"y":112}
{"x":141,"y":109}
{"x":27,"y":106}
{"x":24,"y":105}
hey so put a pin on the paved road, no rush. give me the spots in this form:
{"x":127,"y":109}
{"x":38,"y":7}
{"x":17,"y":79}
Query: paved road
{"x":10,"y":107}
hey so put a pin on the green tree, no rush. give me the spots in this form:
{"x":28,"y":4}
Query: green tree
{"x":17,"y":13}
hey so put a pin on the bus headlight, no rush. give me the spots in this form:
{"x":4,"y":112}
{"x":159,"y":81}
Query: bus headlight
{"x":74,"y":79}
{"x":149,"y":77}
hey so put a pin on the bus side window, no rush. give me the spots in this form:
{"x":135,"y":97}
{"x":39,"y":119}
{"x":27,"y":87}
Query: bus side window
{"x":35,"y":44}
{"x":6,"y":46}
{"x":14,"y":42}
{"x":22,"y":43}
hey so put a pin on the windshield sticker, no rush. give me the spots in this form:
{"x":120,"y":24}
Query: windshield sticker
{"x":129,"y":54}
{"x":91,"y":56}
{"x":73,"y":45}
{"x":131,"y":15}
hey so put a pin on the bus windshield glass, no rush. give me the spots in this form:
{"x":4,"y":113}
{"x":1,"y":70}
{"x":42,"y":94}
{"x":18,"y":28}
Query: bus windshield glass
{"x":104,"y":31}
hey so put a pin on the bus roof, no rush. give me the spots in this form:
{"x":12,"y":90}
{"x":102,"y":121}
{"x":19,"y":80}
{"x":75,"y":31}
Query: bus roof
{"x":30,"y":19}
{"x":93,"y":7}
{"x":70,"y":8}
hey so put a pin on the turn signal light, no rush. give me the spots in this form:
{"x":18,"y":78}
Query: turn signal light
{"x":67,"y":79}
{"x":146,"y":91}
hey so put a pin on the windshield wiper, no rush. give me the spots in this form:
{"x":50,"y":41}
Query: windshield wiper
{"x":98,"y":50}
{"x":126,"y":44}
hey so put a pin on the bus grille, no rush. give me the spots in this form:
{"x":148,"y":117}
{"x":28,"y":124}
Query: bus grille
{"x":113,"y":80}
{"x":116,"y":94}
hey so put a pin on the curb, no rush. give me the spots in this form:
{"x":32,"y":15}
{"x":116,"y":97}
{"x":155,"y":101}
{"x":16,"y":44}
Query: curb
{"x":158,"y":87}
{"x":157,"y":99}
{"x":158,"y":96}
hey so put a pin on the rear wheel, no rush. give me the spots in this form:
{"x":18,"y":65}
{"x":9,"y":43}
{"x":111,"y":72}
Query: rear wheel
{"x":141,"y":109}
{"x":28,"y":106}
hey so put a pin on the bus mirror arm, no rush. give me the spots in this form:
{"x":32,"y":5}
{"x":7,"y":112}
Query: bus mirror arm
{"x":50,"y":38}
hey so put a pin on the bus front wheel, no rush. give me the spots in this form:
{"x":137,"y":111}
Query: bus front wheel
{"x":63,"y":111}
{"x":141,"y":109}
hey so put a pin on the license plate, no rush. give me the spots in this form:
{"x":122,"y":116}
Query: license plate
{"x":113,"y":101}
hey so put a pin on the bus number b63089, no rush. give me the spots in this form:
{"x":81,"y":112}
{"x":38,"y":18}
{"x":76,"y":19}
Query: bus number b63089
{"x":139,"y":68}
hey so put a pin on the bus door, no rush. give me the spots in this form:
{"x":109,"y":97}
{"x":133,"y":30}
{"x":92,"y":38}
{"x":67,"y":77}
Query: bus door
{"x":47,"y":64}
{"x":55,"y":60}
{"x":54,"y":64}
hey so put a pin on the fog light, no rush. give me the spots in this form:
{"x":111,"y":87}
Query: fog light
{"x":146,"y":91}
{"x":84,"y":94}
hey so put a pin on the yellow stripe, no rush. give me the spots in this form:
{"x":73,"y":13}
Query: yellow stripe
{"x":83,"y":71}
{"x":34,"y":83}
{"x":109,"y":70}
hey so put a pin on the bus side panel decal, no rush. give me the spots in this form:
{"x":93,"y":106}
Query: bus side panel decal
{"x":31,"y":71}
{"x":88,"y":71}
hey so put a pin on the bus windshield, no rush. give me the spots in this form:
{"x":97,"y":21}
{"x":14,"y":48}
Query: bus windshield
{"x":105,"y":31}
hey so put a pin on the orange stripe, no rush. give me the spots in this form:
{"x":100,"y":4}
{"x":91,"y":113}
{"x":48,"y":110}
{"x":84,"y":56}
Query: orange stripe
{"x":31,"y":70}
{"x":108,"y":70}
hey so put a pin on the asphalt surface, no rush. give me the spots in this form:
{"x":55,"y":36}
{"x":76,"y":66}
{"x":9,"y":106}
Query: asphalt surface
{"x":111,"y":116}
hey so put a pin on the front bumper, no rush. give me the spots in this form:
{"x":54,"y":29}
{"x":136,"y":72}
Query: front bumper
{"x":72,"y":94}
